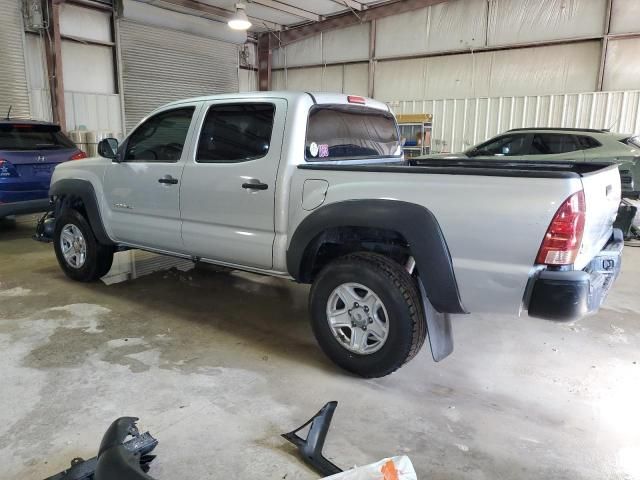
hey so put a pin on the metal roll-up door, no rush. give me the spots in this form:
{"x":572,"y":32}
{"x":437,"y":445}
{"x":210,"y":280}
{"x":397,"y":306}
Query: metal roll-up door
{"x":14,"y":90}
{"x":160,"y":65}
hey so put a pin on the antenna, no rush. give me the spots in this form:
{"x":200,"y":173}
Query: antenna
{"x":612,"y":125}
{"x":9,"y":113}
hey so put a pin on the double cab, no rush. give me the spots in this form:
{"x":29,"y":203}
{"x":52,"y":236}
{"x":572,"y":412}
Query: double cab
{"x":314,"y":187}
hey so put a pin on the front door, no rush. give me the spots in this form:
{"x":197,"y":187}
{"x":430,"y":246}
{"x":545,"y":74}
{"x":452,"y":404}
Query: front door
{"x":142,"y":191}
{"x":228,"y":185}
{"x":510,"y":146}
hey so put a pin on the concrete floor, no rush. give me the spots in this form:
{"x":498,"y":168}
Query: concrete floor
{"x":218,"y":365}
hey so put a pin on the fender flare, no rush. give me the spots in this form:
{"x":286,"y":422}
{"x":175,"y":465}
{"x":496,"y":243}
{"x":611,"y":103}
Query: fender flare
{"x":415,"y":223}
{"x":84,"y":190}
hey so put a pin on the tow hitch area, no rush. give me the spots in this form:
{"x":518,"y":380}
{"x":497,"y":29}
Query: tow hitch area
{"x":118,"y":458}
{"x":45,"y":227}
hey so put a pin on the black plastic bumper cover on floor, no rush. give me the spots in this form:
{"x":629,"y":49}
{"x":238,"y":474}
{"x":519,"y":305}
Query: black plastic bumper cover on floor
{"x":570,"y":295}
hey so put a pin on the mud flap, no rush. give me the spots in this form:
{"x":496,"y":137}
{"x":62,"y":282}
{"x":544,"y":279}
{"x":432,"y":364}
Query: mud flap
{"x":438,"y":328}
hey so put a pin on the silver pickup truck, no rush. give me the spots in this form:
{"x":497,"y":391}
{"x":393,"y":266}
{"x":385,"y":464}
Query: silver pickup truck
{"x":314,"y":187}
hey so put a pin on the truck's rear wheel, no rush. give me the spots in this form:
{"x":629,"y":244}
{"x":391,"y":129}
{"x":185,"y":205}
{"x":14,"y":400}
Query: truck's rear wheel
{"x":79,"y":254}
{"x":366,"y":314}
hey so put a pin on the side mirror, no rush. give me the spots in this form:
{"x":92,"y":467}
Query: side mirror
{"x":108,"y":148}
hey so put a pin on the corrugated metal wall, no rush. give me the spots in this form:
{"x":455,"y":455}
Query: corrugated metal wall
{"x":94,"y":112}
{"x":441,"y":51}
{"x":460,"y":123}
{"x":14,"y":90}
{"x":160,"y":65}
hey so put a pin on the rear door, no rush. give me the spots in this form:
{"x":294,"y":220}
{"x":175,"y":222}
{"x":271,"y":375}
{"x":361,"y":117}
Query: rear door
{"x":30,"y":152}
{"x":228,"y":189}
{"x":550,"y":147}
{"x":142,"y":191}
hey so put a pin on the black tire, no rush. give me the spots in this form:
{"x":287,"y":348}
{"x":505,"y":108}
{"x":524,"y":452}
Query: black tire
{"x":407,"y":328}
{"x":98,"y":257}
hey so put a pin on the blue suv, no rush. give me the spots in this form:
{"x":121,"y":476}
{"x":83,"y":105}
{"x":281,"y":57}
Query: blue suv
{"x":29,"y":151}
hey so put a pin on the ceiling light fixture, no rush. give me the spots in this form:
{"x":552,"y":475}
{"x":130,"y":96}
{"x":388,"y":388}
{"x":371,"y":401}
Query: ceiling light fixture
{"x":239,"y":20}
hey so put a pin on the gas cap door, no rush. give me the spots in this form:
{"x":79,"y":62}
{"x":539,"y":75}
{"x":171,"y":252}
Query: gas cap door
{"x":313,"y":193}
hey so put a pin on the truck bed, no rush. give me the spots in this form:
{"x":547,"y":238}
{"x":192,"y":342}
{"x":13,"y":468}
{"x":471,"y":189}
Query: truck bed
{"x":469,"y":167}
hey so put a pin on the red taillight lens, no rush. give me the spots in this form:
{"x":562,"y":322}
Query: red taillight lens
{"x":78,"y":156}
{"x":562,"y":242}
{"x":355,"y":99}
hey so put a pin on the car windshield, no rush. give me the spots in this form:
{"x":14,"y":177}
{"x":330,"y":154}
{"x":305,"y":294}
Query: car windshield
{"x":17,"y":136}
{"x":340,"y":132}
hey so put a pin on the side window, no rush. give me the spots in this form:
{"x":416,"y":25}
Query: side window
{"x":553,"y":143}
{"x":504,"y":146}
{"x":236,"y":133}
{"x":161,"y":138}
{"x":588,"y":142}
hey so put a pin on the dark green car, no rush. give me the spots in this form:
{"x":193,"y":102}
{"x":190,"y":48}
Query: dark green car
{"x":562,"y":144}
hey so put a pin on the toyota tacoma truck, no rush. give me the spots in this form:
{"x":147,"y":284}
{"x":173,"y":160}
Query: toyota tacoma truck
{"x":314,"y":188}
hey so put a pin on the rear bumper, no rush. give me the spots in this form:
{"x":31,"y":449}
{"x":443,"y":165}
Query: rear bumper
{"x":20,"y":208}
{"x":570,"y":295}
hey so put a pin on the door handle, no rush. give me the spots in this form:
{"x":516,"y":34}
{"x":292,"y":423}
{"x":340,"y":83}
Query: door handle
{"x":168,"y":180}
{"x":254,"y":184}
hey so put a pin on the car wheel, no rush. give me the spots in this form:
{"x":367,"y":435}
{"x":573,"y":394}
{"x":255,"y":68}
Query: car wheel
{"x":366,"y":314}
{"x":79,"y":254}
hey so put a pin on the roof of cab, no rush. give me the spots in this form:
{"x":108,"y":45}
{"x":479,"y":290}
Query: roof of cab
{"x":315,"y":97}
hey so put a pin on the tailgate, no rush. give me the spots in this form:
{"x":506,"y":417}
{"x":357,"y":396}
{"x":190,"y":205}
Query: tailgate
{"x":602,"y":196}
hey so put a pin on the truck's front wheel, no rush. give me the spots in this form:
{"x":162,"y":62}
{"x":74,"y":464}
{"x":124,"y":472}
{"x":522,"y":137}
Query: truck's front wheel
{"x":79,"y":254}
{"x":366,"y":314}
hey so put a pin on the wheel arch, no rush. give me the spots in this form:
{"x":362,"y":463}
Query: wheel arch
{"x":408,"y":222}
{"x":76,"y":189}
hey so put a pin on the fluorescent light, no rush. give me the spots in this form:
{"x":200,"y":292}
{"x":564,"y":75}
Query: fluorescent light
{"x":239,"y":21}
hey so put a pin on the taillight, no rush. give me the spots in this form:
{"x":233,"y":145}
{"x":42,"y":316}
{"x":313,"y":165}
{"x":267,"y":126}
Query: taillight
{"x":564,"y":235}
{"x":355,"y":99}
{"x":78,"y":156}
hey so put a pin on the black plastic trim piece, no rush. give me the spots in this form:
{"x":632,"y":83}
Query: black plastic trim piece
{"x":311,"y":447}
{"x":83,"y":190}
{"x":115,"y":460}
{"x":138,"y":448}
{"x":507,"y":171}
{"x":315,"y":102}
{"x":560,"y":296}
{"x":416,"y":224}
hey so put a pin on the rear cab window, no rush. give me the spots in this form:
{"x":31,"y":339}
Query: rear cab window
{"x":27,"y":136}
{"x":350,"y":132}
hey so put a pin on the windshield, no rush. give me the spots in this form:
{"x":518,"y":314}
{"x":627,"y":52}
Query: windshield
{"x":33,"y":137}
{"x":347,"y":132}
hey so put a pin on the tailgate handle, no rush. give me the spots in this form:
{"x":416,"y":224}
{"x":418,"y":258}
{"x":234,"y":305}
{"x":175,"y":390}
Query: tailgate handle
{"x":608,"y":190}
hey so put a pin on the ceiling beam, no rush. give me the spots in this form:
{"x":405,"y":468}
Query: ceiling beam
{"x":283,"y":7}
{"x":349,"y":4}
{"x":349,"y":18}
{"x":211,"y":10}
